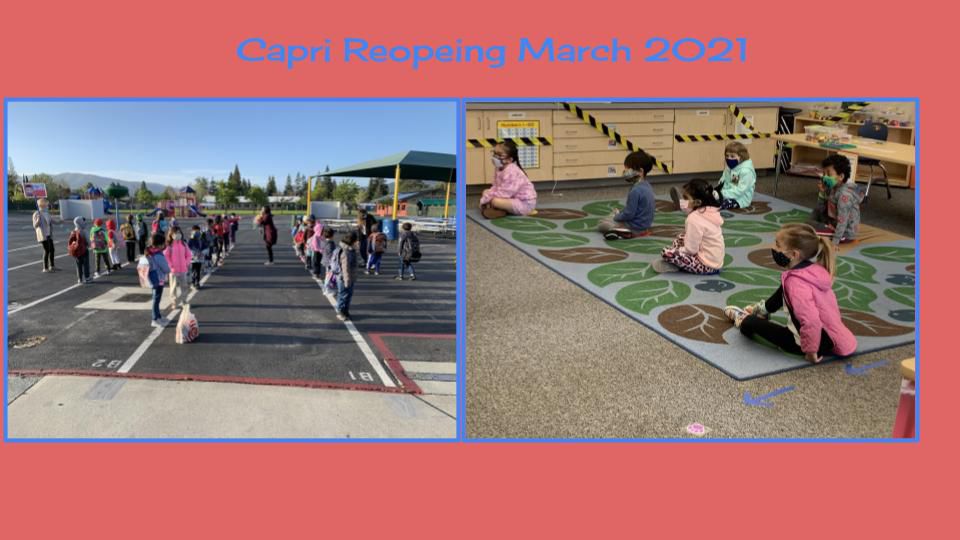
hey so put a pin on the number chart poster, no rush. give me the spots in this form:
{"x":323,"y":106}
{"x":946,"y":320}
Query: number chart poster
{"x":505,"y":489}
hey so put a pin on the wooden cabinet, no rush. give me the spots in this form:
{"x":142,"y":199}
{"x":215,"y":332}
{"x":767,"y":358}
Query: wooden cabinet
{"x":474,"y":125}
{"x":477,"y":160}
{"x":614,"y":116}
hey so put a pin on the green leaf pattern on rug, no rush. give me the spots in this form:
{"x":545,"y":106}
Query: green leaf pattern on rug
{"x":524,"y":224}
{"x":620,"y":272}
{"x":669,"y":219}
{"x":648,"y":246}
{"x":645,"y":296}
{"x":582,"y":225}
{"x":889,"y":254}
{"x":757,"y":277}
{"x":602,"y":208}
{"x":790,"y":216}
{"x":757,"y":227}
{"x":855,"y":269}
{"x":903,"y":295}
{"x":735,"y":240}
{"x":750,"y":296}
{"x":550,"y":239}
{"x":853,"y":296}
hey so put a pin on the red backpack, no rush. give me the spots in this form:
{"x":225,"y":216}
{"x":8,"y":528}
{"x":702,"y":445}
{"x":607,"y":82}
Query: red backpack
{"x":76,"y":244}
{"x":379,"y":242}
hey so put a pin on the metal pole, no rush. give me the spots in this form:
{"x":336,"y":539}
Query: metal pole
{"x":396,"y":192}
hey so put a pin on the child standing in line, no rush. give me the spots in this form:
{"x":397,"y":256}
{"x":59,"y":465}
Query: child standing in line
{"x":814,"y":327}
{"x":129,"y":234}
{"x":327,"y":247}
{"x":178,"y":258}
{"x":344,"y":267}
{"x":234,"y":227}
{"x":512,"y":191}
{"x":376,"y":245}
{"x":98,"y":241}
{"x":209,"y":258}
{"x":316,"y":248}
{"x":113,"y":243}
{"x":198,"y":246}
{"x":77,"y":248}
{"x":837,"y":214}
{"x":142,"y":234}
{"x":308,"y":233}
{"x":637,"y":215}
{"x":700,"y":249}
{"x":409,"y":251}
{"x":159,"y":270}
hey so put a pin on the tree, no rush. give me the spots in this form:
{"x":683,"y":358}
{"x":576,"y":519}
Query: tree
{"x":258,"y":196}
{"x":347,"y":192}
{"x":202,"y":186}
{"x":234,"y":181}
{"x":225,"y":195}
{"x":288,"y":187}
{"x":12,"y":180}
{"x":169,"y":194}
{"x":407,"y":186}
{"x":117,"y":191}
{"x":144,"y":196}
{"x":86,"y":187}
{"x":271,"y":186}
{"x":325,"y":187}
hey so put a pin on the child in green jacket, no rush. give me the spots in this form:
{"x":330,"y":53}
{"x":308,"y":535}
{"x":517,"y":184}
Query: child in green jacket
{"x":737,"y":181}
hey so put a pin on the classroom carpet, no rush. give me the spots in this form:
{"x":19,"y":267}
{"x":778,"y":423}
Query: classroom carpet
{"x":875,"y":282}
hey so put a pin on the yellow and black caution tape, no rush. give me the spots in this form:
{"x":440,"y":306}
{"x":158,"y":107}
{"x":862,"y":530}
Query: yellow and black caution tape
{"x":519,"y":141}
{"x":611,"y":133}
{"x":742,"y":118}
{"x":847,"y":112}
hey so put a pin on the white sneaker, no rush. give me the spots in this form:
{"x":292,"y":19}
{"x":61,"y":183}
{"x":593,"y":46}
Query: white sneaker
{"x":156,"y":324}
{"x":164,"y":321}
{"x":735,"y":314}
{"x":268,"y":263}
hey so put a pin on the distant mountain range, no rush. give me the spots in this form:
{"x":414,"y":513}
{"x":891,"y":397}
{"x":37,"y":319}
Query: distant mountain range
{"x":78,"y":180}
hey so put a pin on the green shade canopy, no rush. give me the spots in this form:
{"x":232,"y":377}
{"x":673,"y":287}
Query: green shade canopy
{"x":414,"y":165}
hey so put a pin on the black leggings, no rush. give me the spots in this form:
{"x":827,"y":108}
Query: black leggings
{"x":105,"y":257}
{"x":131,"y":250}
{"x":270,"y":252}
{"x":143,"y":244}
{"x":47,"y":253}
{"x":781,"y":336}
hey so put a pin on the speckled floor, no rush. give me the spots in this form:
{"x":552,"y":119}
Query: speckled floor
{"x":547,"y":359}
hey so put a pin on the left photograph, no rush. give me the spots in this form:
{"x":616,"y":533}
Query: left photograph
{"x":237,"y":269}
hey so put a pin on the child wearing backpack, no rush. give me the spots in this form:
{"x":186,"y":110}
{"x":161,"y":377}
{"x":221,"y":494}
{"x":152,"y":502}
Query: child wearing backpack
{"x":113,"y":242}
{"x":308,"y":232}
{"x":344,"y":268}
{"x":129,"y":234}
{"x":210,"y":235}
{"x":408,"y":250}
{"x":814,"y":325}
{"x":159,"y":270}
{"x":376,"y":245}
{"x":327,"y":247}
{"x":98,"y":241}
{"x":198,"y":246}
{"x":142,"y":234}
{"x":234,"y":227}
{"x":77,"y":248}
{"x":316,"y":249}
{"x":178,"y":257}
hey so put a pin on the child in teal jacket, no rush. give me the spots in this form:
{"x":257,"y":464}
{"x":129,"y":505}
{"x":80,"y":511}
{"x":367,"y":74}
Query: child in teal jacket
{"x":737,"y":181}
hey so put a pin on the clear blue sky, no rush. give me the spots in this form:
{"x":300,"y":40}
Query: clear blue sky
{"x":174,"y":142}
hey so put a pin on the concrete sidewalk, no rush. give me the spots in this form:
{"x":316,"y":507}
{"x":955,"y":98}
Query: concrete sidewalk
{"x":92,"y":407}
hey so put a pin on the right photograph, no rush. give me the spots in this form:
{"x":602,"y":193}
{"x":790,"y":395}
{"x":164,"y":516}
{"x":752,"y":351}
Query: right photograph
{"x":691,"y":270}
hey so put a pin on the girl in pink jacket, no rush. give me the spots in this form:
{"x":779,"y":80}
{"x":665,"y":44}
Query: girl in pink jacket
{"x":512,"y":192}
{"x":700,"y":249}
{"x":179,"y":257}
{"x":814,"y":327}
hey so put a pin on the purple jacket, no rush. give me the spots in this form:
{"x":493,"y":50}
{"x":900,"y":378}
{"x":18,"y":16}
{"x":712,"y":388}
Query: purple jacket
{"x":808,"y":292}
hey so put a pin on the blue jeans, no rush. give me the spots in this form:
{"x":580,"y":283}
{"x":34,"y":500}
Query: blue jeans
{"x":157,"y":295}
{"x":404,"y":265}
{"x":374,"y":262}
{"x":344,"y":295}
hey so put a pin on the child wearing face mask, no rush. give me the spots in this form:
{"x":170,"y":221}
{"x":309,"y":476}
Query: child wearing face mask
{"x":700,"y":249}
{"x":837,"y":214}
{"x":737,"y":182}
{"x":179,"y":257}
{"x":512,"y":192}
{"x":198,"y":248}
{"x":814,"y":326}
{"x":637,"y":214}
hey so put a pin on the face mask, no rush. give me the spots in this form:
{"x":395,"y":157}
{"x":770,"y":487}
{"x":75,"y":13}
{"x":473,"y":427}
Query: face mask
{"x":629,"y":175}
{"x":732,"y":163}
{"x":829,"y":181}
{"x":780,"y":258}
{"x":496,"y":162}
{"x":685,"y":206}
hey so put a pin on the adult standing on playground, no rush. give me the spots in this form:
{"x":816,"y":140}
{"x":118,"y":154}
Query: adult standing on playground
{"x":268,"y":231}
{"x":43,"y":225}
{"x":365,"y":223}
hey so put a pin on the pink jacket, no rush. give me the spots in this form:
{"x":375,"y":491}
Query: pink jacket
{"x":510,"y":182}
{"x":316,"y":241}
{"x":178,"y":257}
{"x":704,"y":237}
{"x":808,"y":293}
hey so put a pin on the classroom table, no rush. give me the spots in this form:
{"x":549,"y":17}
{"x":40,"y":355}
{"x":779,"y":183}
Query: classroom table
{"x":891,"y":152}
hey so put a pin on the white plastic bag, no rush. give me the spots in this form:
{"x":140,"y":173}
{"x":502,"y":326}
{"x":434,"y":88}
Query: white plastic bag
{"x":143,"y":271}
{"x":187,"y":327}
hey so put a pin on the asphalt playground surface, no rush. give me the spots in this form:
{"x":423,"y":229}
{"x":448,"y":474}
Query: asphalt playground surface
{"x":258,"y":324}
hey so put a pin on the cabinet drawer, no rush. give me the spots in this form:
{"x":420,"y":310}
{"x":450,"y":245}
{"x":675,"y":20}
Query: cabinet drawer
{"x":601,"y":157}
{"x":477,"y":159}
{"x":617,"y":116}
{"x":474,"y":125}
{"x":696,"y":157}
{"x":701,"y":121}
{"x":764,"y":119}
{"x":592,"y":171}
{"x":627,"y":130}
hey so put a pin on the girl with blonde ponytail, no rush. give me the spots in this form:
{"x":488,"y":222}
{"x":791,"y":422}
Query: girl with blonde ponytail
{"x":814,"y":327}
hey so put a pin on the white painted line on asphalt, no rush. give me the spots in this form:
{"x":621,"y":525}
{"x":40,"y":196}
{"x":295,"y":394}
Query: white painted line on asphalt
{"x":23,"y":248}
{"x":364,"y":348}
{"x":54,"y":295}
{"x":35,"y":263}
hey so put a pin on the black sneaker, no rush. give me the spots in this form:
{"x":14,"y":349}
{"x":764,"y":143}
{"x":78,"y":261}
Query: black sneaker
{"x":675,"y":197}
